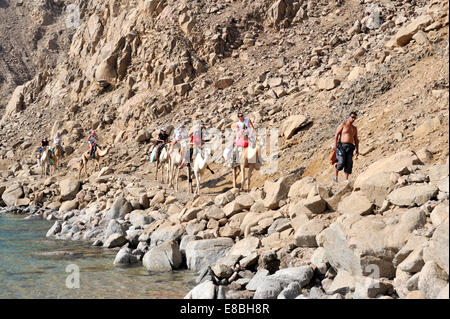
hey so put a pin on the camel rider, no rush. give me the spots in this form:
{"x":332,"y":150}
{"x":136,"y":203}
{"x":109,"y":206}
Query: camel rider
{"x":57,"y":142}
{"x":44,"y":144}
{"x":180,"y":134}
{"x":195,"y":141}
{"x":162,"y":140}
{"x":244,"y":130}
{"x":92,"y":143}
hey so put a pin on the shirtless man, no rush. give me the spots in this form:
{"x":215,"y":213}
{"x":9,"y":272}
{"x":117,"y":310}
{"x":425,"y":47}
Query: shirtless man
{"x":346,"y":139}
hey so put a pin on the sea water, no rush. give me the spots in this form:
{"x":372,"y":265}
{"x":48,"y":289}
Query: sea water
{"x":33,"y":266}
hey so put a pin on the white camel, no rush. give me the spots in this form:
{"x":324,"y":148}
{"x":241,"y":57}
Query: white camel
{"x":163,"y":159}
{"x":201,"y":159}
{"x":176,"y":154}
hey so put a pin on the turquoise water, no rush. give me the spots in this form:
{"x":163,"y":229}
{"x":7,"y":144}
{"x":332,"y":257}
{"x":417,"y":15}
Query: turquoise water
{"x":30,"y":268}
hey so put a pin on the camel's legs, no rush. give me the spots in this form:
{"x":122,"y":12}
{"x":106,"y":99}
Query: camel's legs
{"x":243,"y":176}
{"x":156,"y":171}
{"x":189,"y":173}
{"x":176,"y":178}
{"x":85,"y":169}
{"x":250,"y":168}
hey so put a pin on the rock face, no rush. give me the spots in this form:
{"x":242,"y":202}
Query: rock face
{"x":164,"y":257}
{"x":69,"y":188}
{"x":203,"y":253}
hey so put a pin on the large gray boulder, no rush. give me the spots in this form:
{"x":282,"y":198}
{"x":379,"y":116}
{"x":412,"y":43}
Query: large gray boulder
{"x":164,"y":257}
{"x":12,"y":193}
{"x":115,"y":240}
{"x":305,"y":236}
{"x":375,"y":181}
{"x":125,"y":257}
{"x":119,"y":209}
{"x":432,"y":280}
{"x":167,"y":232}
{"x":438,"y":249}
{"x":277,"y":191}
{"x":412,"y":195}
{"x":271,"y":286}
{"x":140,"y":218}
{"x":358,"y":244}
{"x":205,"y":290}
{"x":69,"y":188}
{"x":114,"y":228}
{"x":205,"y":252}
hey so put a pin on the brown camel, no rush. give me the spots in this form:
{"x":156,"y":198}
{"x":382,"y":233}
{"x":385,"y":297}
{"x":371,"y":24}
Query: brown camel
{"x":85,"y":157}
{"x":57,"y":155}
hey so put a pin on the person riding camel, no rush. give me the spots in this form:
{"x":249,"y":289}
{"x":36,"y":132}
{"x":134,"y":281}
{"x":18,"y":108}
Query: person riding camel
{"x":244,"y":130}
{"x":44,"y":145}
{"x":195,"y":141}
{"x":163,"y":139}
{"x":57,"y":142}
{"x":92,"y":143}
{"x":180,"y":134}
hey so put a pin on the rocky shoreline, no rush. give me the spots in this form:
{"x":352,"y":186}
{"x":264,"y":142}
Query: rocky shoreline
{"x":385,"y":235}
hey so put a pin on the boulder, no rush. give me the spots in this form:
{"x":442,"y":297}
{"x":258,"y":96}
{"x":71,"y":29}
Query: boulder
{"x":405,"y":33}
{"x":315,"y":204}
{"x":68,"y":206}
{"x":167,"y":232}
{"x":292,"y":124}
{"x":223,"y":83}
{"x":356,"y":203}
{"x":205,"y":290}
{"x":342,"y":284}
{"x":357,"y":244}
{"x":119,"y":209}
{"x":164,"y":257}
{"x":291,"y":292}
{"x":427,"y":127}
{"x":439,"y":214}
{"x":140,"y":218}
{"x":245,"y":247}
{"x":113,"y":227}
{"x":327,"y":83}
{"x":115,"y":240}
{"x":125,"y":257}
{"x":203,"y":253}
{"x":277,"y":191}
{"x":301,"y":188}
{"x":438,"y":250}
{"x":375,"y":181}
{"x":69,"y":188}
{"x":412,"y":195}
{"x":12,"y":193}
{"x":432,"y":280}
{"x":305,"y":236}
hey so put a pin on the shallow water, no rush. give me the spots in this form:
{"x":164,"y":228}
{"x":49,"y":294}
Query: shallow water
{"x":30,"y":268}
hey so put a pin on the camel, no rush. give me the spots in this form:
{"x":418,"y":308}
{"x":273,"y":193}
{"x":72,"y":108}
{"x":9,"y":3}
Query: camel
{"x":57,"y":155}
{"x":200,"y":165}
{"x":246,"y":157}
{"x":44,"y":162}
{"x":176,"y":154}
{"x":163,"y":158}
{"x":85,"y":157}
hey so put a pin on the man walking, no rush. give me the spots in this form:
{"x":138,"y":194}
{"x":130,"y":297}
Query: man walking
{"x":346,"y":139}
